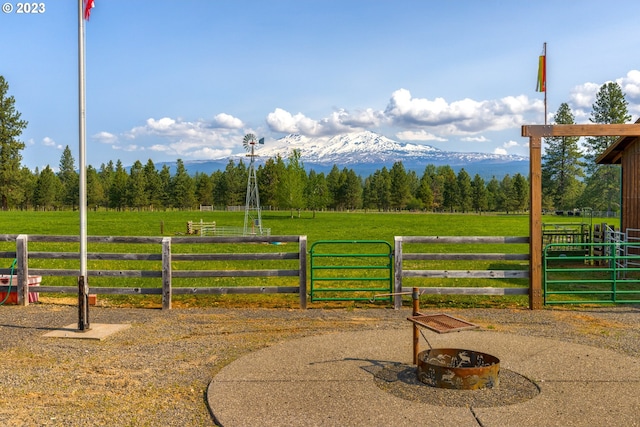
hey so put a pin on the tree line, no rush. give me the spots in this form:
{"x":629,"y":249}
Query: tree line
{"x":569,"y":174}
{"x":283,"y":184}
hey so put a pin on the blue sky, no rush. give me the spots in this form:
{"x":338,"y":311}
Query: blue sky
{"x":169,"y":79}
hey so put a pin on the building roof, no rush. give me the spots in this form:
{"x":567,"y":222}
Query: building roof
{"x":613,"y":154}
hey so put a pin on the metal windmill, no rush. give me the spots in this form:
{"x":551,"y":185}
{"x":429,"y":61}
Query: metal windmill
{"x":252,"y":216}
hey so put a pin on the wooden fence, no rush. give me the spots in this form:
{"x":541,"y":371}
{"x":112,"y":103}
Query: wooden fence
{"x":164,"y":258}
{"x":401,"y":272}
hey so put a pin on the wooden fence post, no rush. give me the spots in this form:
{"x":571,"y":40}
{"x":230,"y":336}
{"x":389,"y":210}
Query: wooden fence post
{"x":535,"y":223}
{"x":22,"y":278}
{"x":397,"y":268}
{"x":166,"y":273}
{"x":302,"y":248}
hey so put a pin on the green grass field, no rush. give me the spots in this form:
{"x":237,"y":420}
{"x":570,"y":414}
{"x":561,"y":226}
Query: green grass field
{"x":325,"y":226}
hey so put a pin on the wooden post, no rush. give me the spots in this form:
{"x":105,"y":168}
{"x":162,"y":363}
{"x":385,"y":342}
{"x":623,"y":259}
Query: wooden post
{"x":397,"y":268}
{"x":302,"y":249}
{"x":83,"y":304}
{"x":535,"y":223}
{"x":415,"y":296}
{"x":22,"y":278}
{"x":166,"y":273}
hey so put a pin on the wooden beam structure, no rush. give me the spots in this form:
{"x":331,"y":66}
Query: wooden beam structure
{"x":545,"y":131}
{"x":535,"y":133}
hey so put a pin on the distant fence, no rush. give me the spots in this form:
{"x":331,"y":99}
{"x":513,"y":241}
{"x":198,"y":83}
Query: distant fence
{"x":403,"y":272}
{"x":163,"y":260}
{"x":211,"y":229}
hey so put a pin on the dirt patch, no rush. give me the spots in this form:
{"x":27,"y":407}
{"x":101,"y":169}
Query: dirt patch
{"x":156,"y":372}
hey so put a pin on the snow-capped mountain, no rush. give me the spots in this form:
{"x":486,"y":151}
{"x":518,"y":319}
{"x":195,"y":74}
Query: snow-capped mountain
{"x":366,"y":152}
{"x":371,"y":148}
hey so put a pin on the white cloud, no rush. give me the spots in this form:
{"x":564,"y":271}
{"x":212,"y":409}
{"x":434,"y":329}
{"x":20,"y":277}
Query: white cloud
{"x":227,"y":121}
{"x":49,"y":142}
{"x":341,"y":121}
{"x":360,"y":119}
{"x":420,"y":135}
{"x":583,"y":96}
{"x":105,"y":137}
{"x":462,"y":117}
{"x":132,"y":148}
{"x":198,"y":139}
{"x":210,"y":153}
{"x":474,"y":139}
{"x":283,"y":121}
{"x":506,"y":147}
{"x":630,"y":85}
{"x":510,"y":144}
{"x":159,"y":148}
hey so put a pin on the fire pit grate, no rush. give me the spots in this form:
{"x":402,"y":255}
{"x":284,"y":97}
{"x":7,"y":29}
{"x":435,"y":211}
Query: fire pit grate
{"x":441,"y":323}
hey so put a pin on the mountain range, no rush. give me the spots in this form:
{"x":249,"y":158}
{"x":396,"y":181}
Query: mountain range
{"x":366,"y":152}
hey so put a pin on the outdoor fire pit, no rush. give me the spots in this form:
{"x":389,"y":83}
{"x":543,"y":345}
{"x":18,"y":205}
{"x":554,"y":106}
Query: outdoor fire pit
{"x":458,"y":369}
{"x":451,"y":368}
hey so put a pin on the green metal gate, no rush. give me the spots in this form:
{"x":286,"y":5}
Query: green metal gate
{"x":573,"y":275}
{"x":349,"y":270}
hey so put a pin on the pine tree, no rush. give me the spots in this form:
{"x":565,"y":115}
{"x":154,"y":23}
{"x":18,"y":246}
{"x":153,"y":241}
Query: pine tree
{"x":316,"y":192}
{"x":381,"y":186}
{"x":463,"y":184}
{"x":508,"y":200}
{"x":291,"y":189}
{"x":424,"y":192}
{"x":562,"y":166}
{"x":520,"y":192}
{"x":269,"y":177}
{"x":204,"y":189}
{"x":106,"y":174}
{"x":479,"y":200}
{"x":136,"y":195}
{"x":28,"y":182}
{"x":165,"y":185}
{"x":183,"y":189}
{"x":154,"y":190}
{"x":95,"y":190}
{"x":333,"y":183}
{"x":352,"y":189}
{"x":400,"y":185}
{"x":493,"y":194}
{"x":48,"y":189}
{"x":118,"y":188}
{"x":69,"y":178}
{"x":603,"y":183}
{"x":437,"y":186}
{"x":11,"y":128}
{"x":449,"y":187}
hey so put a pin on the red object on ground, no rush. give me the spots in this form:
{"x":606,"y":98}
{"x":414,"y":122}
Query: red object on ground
{"x":13,"y":295}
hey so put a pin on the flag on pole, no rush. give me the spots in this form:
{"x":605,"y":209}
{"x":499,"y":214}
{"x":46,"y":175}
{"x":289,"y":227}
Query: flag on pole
{"x":542,"y":74}
{"x":88,"y":5}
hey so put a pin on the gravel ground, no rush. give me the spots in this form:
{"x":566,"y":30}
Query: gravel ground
{"x":156,"y":372}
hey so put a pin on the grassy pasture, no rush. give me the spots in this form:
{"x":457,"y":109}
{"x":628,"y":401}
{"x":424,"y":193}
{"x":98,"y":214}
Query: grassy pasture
{"x":325,"y":226}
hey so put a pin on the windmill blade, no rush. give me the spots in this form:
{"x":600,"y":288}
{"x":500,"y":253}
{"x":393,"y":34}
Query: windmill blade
{"x":249,"y":141}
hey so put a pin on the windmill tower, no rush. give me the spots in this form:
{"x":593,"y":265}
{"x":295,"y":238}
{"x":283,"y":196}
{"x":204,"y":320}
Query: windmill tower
{"x":252,"y":216}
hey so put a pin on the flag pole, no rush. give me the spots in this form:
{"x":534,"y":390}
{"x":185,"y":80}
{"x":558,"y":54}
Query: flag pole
{"x":83,"y":287}
{"x":544,"y":52}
